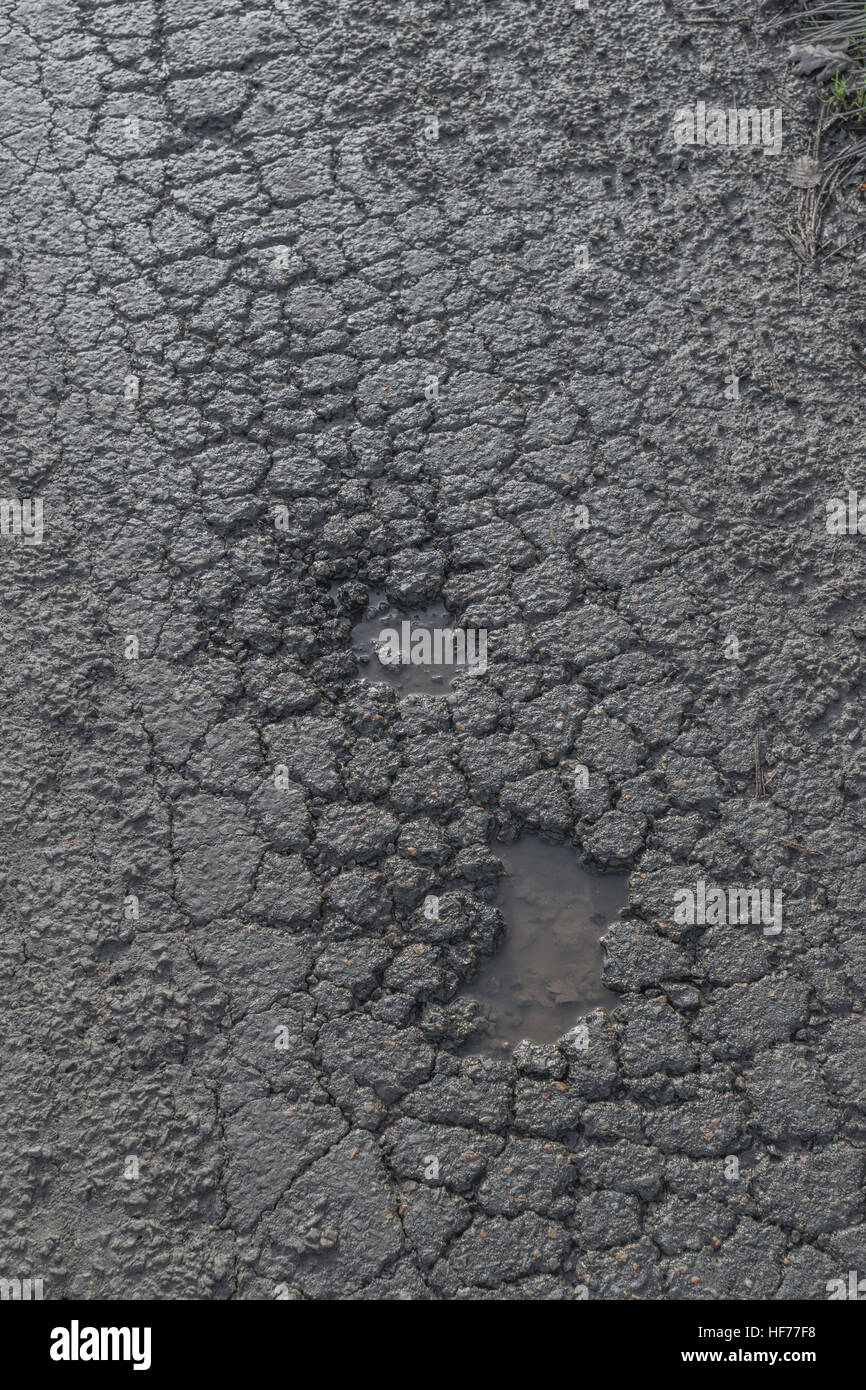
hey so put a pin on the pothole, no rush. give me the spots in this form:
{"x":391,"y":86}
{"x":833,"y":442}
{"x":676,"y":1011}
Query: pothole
{"x":547,"y":974}
{"x":417,"y":652}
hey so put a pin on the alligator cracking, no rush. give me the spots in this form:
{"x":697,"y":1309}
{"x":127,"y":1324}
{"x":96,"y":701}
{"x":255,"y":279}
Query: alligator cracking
{"x":319,"y":304}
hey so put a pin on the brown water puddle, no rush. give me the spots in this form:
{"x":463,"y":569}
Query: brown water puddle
{"x":547,"y":973}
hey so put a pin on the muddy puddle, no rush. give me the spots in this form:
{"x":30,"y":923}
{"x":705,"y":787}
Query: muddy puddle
{"x":547,"y":973}
{"x":417,"y":651}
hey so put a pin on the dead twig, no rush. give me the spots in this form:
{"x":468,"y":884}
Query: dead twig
{"x":813,"y":203}
{"x":793,"y":844}
{"x":760,"y":785}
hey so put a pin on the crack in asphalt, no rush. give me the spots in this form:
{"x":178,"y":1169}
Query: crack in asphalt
{"x":283,"y":255}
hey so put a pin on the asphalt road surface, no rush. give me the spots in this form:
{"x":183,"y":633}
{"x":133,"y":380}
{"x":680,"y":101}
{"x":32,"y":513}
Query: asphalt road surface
{"x":307,"y":303}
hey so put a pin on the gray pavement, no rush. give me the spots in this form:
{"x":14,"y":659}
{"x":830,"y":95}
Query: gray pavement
{"x":308,"y":302}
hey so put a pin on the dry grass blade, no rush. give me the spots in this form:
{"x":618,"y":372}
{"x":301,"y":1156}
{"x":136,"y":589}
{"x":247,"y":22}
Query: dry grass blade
{"x":794,"y":844}
{"x":848,"y":21}
{"x":805,"y":233}
{"x":845,"y":22}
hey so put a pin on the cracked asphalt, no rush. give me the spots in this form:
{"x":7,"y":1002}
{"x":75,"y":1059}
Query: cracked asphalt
{"x":236,"y":249}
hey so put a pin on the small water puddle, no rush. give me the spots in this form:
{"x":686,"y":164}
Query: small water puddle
{"x":391,"y":645}
{"x":547,"y":973}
